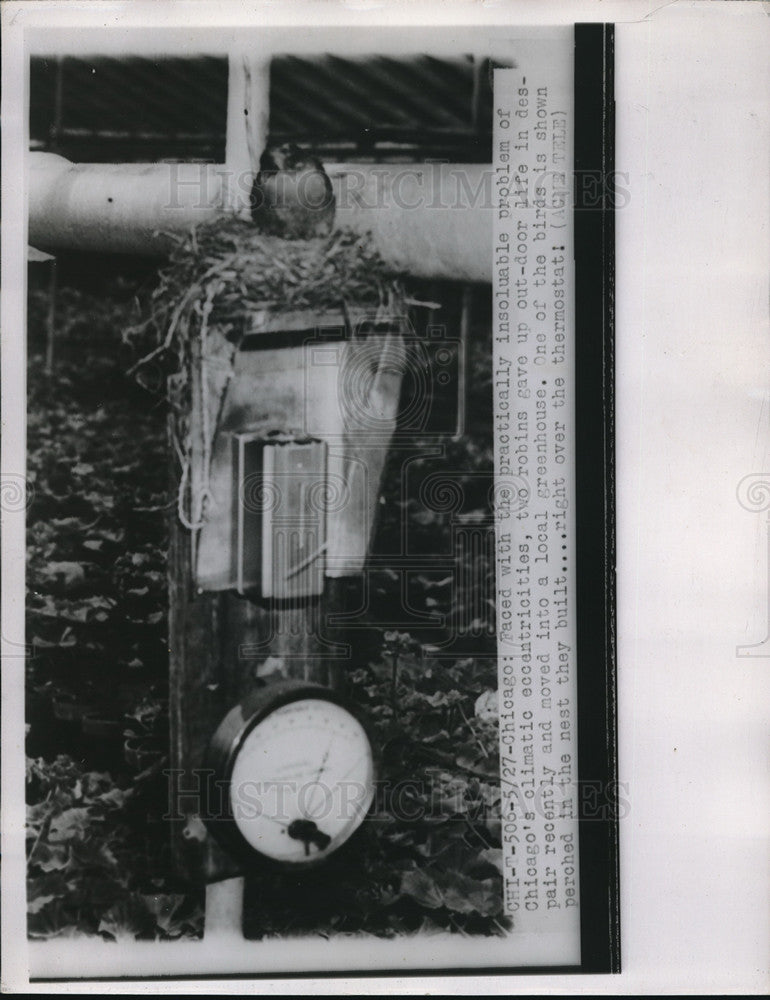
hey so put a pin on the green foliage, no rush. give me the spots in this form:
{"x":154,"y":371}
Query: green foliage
{"x":438,"y":816}
{"x":96,"y":618}
{"x":90,"y":871}
{"x":96,"y":537}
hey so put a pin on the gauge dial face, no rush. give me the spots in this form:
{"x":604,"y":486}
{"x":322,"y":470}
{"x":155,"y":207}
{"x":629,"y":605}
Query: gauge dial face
{"x":302,"y":781}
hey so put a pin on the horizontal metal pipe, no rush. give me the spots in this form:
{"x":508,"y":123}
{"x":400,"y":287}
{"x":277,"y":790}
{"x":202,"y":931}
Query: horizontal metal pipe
{"x":117,"y":208}
{"x":429,"y":220}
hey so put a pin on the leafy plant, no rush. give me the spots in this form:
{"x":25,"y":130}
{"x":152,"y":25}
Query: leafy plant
{"x":86,"y":871}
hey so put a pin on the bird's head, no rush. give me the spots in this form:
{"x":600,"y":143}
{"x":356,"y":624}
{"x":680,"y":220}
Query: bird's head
{"x":288,"y":156}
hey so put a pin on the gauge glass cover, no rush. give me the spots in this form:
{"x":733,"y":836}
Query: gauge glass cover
{"x":302,"y":781}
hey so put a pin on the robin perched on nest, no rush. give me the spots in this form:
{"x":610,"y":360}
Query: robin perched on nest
{"x":292,"y":195}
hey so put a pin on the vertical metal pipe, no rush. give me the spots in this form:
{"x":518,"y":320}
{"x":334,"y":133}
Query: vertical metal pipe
{"x":248,"y":117}
{"x":224,"y":910}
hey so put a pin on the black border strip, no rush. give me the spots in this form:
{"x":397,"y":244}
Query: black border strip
{"x":594,"y":216}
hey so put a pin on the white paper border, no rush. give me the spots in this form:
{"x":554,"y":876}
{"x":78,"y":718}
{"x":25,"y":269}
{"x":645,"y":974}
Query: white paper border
{"x":692,"y":332}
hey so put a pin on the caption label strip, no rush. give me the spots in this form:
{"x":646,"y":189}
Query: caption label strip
{"x":534,"y":469}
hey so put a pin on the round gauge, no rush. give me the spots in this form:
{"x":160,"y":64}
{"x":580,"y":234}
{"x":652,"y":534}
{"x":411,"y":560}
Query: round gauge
{"x":294,"y":772}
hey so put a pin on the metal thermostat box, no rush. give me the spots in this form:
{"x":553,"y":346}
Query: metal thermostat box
{"x":280,"y":518}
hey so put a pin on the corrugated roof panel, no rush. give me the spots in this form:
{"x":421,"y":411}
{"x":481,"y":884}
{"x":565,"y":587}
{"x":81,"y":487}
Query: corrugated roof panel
{"x":135,"y":108}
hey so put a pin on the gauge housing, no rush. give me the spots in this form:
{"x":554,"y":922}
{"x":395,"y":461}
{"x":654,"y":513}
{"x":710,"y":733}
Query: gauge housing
{"x":231,"y":739}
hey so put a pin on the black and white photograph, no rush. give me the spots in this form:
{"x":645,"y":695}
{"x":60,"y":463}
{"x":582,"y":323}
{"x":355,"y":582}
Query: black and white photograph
{"x":311,"y":635}
{"x":278,"y":603}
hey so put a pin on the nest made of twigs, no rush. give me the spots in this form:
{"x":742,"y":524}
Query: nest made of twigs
{"x":217,"y":278}
{"x":219,"y":274}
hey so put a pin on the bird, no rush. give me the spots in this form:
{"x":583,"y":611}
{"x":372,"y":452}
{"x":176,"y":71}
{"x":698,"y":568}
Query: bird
{"x":292,"y":195}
